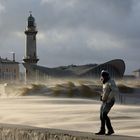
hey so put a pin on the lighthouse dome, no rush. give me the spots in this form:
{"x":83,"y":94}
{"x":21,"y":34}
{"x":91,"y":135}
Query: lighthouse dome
{"x":31,"y":21}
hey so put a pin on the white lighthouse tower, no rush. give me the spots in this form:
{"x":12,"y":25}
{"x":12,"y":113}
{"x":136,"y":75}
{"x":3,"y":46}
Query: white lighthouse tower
{"x":31,"y":52}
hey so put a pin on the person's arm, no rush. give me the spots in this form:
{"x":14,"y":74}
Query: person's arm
{"x":106,"y":92}
{"x":114,"y":89}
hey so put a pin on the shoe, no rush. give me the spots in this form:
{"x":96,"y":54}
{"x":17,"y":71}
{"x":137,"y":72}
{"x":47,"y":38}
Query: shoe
{"x":100,"y":133}
{"x":110,"y":133}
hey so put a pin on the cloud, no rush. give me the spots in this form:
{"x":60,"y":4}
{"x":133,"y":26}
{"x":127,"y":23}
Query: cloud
{"x":70,"y":3}
{"x":74,"y":31}
{"x":2,"y":8}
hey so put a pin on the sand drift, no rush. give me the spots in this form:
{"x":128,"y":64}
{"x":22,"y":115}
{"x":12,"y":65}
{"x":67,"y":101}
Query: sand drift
{"x":68,"y":114}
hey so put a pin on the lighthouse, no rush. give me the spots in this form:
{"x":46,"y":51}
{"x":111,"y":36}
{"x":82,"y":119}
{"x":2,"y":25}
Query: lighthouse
{"x":30,"y":48}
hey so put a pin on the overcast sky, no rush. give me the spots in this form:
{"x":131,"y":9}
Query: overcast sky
{"x":74,"y":31}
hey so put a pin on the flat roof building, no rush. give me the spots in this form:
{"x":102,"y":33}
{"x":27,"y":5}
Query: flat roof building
{"x":115,"y":67}
{"x":137,"y":73}
{"x":9,"y":70}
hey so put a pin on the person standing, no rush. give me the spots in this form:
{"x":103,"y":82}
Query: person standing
{"x":108,"y":100}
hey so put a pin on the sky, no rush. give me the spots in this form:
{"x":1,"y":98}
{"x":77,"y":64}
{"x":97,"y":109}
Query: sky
{"x":73,"y":31}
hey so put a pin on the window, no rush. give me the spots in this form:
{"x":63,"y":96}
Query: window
{"x":34,"y":54}
{"x":34,"y":37}
{"x":14,"y":70}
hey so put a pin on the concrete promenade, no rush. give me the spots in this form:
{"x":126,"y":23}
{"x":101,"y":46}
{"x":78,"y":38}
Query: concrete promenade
{"x":19,"y":132}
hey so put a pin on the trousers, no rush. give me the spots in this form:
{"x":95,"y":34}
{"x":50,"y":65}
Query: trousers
{"x":104,"y":110}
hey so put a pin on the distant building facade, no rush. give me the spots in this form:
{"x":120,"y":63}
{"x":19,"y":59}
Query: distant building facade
{"x":137,"y":73}
{"x":31,"y":53}
{"x":9,"y":70}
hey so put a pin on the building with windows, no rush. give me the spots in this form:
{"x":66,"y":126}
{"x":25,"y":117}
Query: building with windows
{"x":137,"y":73}
{"x":9,"y":70}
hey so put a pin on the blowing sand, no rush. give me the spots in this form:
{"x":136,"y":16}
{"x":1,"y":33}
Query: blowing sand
{"x":67,"y":113}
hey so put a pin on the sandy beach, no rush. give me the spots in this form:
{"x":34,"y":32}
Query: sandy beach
{"x":68,"y":113}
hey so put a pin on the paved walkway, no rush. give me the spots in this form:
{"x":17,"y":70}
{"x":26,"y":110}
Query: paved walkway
{"x":16,"y":132}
